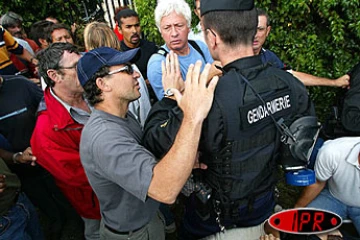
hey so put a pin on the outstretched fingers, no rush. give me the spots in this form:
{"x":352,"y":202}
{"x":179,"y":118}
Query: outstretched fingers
{"x":198,"y":97}
{"x":171,"y":75}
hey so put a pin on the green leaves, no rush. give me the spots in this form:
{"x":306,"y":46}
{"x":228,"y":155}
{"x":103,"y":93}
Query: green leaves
{"x":320,"y":37}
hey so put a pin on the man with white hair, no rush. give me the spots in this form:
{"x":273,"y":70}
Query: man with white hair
{"x":173,"y":19}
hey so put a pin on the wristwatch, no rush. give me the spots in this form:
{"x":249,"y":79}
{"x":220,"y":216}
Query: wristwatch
{"x":168,"y":93}
{"x":14,"y":156}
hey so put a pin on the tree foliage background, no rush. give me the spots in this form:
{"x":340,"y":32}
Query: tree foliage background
{"x":320,"y":37}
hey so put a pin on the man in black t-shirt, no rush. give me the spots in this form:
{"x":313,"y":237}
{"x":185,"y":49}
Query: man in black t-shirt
{"x":129,"y":27}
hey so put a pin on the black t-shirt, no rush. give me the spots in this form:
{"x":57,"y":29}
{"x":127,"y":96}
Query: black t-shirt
{"x":141,"y":60}
{"x":19,"y":100}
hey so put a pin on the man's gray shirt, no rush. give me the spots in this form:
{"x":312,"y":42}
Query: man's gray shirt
{"x":119,"y":170}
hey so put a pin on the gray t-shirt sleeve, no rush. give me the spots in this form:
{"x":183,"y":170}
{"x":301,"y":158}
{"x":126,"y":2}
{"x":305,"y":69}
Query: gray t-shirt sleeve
{"x":125,"y":162}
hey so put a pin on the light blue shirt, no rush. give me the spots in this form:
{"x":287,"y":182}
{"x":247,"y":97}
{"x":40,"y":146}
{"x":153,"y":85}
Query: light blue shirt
{"x":154,"y":66}
{"x":199,"y":35}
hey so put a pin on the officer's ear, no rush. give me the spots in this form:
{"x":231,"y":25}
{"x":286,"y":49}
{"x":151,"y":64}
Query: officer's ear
{"x":212,"y":38}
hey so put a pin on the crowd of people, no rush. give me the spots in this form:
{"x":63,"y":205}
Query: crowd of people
{"x":117,"y":132}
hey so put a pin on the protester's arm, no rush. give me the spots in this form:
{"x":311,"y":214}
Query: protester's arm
{"x":171,"y":173}
{"x":17,"y":49}
{"x":309,"y":193}
{"x":25,"y":55}
{"x":310,"y":80}
{"x":327,"y":161}
{"x":20,"y":157}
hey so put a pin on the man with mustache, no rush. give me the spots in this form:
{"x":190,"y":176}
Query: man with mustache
{"x":12,"y":22}
{"x":129,"y":26}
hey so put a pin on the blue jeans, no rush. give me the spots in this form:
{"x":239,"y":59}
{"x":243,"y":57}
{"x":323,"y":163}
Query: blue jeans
{"x":326,"y":201}
{"x":21,"y":222}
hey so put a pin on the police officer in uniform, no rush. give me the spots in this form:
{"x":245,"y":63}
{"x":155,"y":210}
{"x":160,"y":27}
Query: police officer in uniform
{"x":240,"y":141}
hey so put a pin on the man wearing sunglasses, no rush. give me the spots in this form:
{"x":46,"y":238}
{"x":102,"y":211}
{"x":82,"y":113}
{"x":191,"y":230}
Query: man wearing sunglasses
{"x":56,"y":137}
{"x":128,"y":180}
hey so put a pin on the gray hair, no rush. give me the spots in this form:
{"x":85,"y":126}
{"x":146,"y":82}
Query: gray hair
{"x":10,"y":19}
{"x":166,"y":7}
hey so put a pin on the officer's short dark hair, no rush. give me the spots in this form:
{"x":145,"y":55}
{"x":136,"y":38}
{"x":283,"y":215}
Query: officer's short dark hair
{"x":50,"y":57}
{"x":91,"y":90}
{"x":234,"y":27}
{"x":125,"y":13}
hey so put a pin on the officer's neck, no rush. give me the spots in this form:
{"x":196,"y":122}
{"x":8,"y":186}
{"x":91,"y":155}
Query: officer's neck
{"x":230,"y":54}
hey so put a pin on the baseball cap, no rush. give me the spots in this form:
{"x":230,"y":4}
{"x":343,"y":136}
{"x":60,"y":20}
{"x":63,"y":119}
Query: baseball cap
{"x":93,"y":60}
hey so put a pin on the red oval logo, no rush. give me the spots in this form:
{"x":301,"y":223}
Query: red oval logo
{"x":305,"y":221}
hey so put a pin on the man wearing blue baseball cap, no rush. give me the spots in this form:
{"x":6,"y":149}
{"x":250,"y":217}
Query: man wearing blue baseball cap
{"x":128,"y":180}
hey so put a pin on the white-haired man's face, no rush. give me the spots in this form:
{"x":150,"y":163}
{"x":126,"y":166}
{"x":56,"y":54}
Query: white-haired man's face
{"x":174,"y":31}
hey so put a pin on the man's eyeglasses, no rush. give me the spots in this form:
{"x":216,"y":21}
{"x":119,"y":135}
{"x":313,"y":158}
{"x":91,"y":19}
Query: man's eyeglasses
{"x":128,"y":69}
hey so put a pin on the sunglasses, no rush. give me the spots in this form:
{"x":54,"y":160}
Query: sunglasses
{"x":128,"y":69}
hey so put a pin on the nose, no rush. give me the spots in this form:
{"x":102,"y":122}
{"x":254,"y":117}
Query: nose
{"x":174,"y":32}
{"x":136,"y":74}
